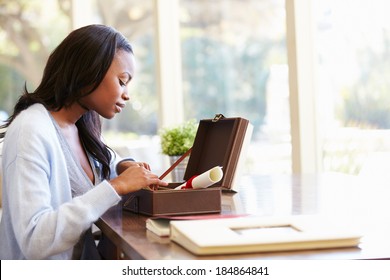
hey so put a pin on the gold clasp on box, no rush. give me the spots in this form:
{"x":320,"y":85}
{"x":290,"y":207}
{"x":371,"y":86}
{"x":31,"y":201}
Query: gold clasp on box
{"x":218,"y":117}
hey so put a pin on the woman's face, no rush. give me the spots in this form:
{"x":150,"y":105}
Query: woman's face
{"x":111,"y":95}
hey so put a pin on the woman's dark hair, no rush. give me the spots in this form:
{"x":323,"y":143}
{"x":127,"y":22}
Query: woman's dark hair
{"x":75,"y":69}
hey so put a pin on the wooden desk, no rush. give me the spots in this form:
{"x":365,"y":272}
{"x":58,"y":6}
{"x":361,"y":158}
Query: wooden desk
{"x":331,"y":195}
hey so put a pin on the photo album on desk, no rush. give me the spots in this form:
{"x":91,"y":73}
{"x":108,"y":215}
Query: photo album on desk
{"x":240,"y":233}
{"x":260,"y":234}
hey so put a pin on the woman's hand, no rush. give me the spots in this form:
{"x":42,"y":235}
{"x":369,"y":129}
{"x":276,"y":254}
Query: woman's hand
{"x":122,"y":166}
{"x":134,"y":176}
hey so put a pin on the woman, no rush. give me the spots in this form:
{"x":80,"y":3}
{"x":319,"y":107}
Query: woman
{"x":59,"y":177}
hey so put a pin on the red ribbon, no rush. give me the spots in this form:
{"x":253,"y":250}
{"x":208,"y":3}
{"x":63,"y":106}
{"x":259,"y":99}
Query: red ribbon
{"x":188,"y":184}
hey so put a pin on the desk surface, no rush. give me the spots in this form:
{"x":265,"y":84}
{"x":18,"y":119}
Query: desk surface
{"x":362,"y":202}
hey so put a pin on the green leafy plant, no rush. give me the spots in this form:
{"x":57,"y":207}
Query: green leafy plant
{"x":179,"y":139}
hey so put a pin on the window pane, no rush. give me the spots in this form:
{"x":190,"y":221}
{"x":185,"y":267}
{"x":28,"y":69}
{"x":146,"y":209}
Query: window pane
{"x":132,"y":132}
{"x":27,"y":36}
{"x":134,"y":19}
{"x":354,"y":85}
{"x":234,"y":63}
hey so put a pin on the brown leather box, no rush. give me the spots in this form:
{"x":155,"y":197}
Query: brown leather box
{"x":218,"y":142}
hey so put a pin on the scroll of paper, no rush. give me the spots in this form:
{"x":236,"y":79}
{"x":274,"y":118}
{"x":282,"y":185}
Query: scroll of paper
{"x":203,"y":180}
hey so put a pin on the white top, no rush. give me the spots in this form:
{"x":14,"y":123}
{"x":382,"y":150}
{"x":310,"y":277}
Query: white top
{"x":40,"y":218}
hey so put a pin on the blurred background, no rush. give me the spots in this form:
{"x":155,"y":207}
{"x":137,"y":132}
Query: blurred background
{"x":312,"y":76}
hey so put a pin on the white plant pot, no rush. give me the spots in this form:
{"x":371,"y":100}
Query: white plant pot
{"x":179,"y":171}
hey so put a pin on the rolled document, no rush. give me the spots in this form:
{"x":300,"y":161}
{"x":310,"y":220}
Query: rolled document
{"x":203,"y":180}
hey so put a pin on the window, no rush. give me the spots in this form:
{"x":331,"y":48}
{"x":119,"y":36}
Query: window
{"x":234,"y":62}
{"x":353,"y":70}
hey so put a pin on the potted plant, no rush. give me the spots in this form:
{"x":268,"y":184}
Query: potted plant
{"x":177,"y":140}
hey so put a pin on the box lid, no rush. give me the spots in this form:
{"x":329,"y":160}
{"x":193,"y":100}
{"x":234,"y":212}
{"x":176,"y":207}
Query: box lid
{"x":219,"y":142}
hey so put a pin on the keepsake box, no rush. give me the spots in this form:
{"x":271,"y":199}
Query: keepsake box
{"x":218,"y":142}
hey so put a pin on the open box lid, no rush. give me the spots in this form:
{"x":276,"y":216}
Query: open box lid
{"x":220,"y":142}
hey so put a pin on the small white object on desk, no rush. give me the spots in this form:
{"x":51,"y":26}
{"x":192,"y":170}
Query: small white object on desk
{"x":203,"y":180}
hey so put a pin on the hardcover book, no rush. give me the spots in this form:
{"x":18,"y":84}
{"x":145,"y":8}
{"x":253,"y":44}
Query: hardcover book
{"x":161,"y":225}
